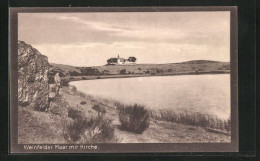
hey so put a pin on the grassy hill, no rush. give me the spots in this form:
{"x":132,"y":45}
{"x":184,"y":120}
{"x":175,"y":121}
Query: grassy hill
{"x":189,"y":67}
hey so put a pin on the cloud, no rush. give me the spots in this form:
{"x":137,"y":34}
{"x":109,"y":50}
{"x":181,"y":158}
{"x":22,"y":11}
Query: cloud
{"x":161,"y":37}
{"x":94,"y":54}
{"x":99,"y":26}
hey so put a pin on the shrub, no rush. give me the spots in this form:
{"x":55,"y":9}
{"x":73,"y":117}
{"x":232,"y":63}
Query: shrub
{"x":134,"y":118}
{"x":86,"y":130}
{"x":83,"y":102}
{"x":51,"y":80}
{"x":105,"y":128}
{"x":73,"y":88}
{"x":123,"y":71}
{"x":74,"y":114}
{"x":65,"y":82}
{"x":56,"y":110}
{"x":169,"y":70}
{"x":81,"y":94}
{"x":98,"y":108}
{"x":74,"y":73}
{"x":147,"y":72}
{"x":75,"y":129}
{"x":89,"y":71}
{"x":159,"y":71}
{"x":105,"y":72}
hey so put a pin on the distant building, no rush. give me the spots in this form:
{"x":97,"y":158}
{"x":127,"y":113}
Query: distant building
{"x":122,"y":60}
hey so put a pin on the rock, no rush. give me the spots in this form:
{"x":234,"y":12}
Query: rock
{"x":52,"y":92}
{"x":33,"y":68}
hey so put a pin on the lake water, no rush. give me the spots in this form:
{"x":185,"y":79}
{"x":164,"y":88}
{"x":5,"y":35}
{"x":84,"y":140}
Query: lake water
{"x":194,"y":93}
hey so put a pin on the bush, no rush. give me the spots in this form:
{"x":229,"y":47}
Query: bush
{"x":134,"y":118}
{"x":107,"y":131}
{"x":75,"y":129}
{"x":86,"y":130}
{"x":159,"y":71}
{"x":51,"y":80}
{"x":147,"y":72}
{"x":169,"y":70}
{"x":98,"y":108}
{"x":56,"y":110}
{"x":65,"y":82}
{"x":123,"y":71}
{"x":89,"y":71}
{"x":74,"y":73}
{"x":105,"y":72}
{"x":83,"y":102}
{"x":74,"y":114}
{"x":73,"y":88}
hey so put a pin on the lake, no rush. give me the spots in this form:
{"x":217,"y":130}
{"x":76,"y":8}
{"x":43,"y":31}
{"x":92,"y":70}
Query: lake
{"x":193,"y":93}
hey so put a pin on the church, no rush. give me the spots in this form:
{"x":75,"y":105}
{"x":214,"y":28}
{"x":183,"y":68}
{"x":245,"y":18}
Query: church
{"x":122,"y":60}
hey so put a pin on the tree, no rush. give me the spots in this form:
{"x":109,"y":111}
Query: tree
{"x":114,"y":60}
{"x":111,"y":60}
{"x":132,"y":59}
{"x":108,"y":61}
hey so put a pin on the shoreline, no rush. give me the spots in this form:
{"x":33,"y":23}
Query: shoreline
{"x":166,"y":127}
{"x":170,"y":115}
{"x":79,"y":78}
{"x":197,"y":119}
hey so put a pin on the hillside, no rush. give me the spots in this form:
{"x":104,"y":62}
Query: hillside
{"x":199,"y":62}
{"x":190,"y":67}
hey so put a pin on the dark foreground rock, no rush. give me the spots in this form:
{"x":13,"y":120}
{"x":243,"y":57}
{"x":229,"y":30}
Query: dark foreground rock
{"x":33,"y":68}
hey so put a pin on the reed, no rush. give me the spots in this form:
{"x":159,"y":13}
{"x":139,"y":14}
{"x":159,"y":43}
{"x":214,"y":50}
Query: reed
{"x":88,"y":130}
{"x":195,"y":119}
{"x":183,"y":117}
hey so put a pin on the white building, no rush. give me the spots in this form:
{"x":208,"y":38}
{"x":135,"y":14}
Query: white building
{"x":122,"y":60}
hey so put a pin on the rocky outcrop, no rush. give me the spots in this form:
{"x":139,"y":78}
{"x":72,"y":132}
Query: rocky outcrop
{"x":33,"y":68}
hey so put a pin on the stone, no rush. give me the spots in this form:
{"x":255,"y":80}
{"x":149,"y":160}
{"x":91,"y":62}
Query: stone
{"x":33,"y":68}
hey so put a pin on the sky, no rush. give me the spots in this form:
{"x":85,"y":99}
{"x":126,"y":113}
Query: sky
{"x":90,"y":38}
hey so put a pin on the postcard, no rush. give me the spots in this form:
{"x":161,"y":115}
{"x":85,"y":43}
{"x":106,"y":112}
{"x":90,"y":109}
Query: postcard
{"x":123,"y":80}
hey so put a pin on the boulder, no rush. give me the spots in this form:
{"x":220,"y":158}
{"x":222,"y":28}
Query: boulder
{"x":33,"y":68}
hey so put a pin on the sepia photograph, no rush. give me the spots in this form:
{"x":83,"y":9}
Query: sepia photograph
{"x":123,"y":77}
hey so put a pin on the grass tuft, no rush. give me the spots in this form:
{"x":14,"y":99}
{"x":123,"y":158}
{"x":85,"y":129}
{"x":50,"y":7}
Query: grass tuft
{"x":98,"y":108}
{"x":195,"y":119}
{"x":134,"y":118}
{"x":89,"y":130}
{"x":75,"y":114}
